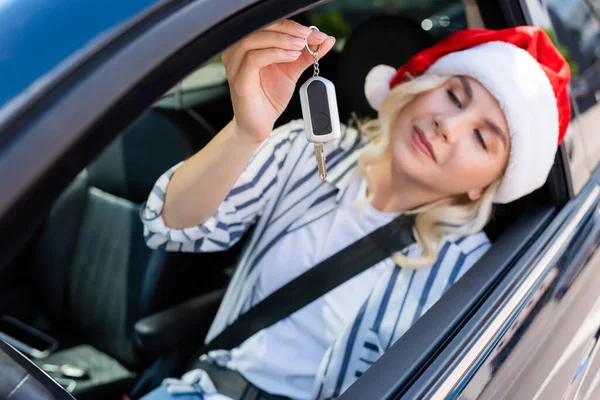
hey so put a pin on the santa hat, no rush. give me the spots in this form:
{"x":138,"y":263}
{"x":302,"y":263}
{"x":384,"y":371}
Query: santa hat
{"x":524,"y":72}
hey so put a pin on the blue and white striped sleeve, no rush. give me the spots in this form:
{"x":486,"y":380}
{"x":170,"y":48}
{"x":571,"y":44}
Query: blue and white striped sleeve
{"x":240,"y":209}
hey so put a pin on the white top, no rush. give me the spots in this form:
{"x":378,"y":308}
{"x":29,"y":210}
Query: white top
{"x":285,"y":357}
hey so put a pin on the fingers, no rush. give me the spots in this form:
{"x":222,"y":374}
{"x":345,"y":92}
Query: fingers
{"x":290,"y":27}
{"x":285,"y":41}
{"x":285,"y":26}
{"x":316,"y":38}
{"x":262,"y":40}
{"x":256,"y":59}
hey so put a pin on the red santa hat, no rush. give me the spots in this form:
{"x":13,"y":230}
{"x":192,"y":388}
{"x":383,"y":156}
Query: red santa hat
{"x":526,"y":74}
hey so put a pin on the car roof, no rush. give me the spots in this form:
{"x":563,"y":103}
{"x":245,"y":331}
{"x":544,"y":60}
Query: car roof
{"x":39,"y":36}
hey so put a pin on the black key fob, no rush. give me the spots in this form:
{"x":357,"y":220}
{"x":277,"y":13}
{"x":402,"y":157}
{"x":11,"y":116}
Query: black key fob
{"x":319,"y":110}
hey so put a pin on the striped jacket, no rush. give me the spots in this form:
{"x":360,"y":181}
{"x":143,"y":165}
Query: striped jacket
{"x":279,"y":192}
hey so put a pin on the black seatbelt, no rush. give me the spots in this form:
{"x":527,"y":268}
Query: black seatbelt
{"x":317,"y":281}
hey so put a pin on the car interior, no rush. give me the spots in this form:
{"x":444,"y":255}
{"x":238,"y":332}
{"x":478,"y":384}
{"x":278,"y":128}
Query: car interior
{"x":84,"y":291}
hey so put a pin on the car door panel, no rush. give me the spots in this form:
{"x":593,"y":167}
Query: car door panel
{"x":548,"y":344}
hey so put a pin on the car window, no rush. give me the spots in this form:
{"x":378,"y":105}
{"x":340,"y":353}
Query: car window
{"x":576,"y":28}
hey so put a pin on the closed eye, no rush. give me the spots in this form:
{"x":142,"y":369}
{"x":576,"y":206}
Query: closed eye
{"x":454,"y":98}
{"x":480,"y":139}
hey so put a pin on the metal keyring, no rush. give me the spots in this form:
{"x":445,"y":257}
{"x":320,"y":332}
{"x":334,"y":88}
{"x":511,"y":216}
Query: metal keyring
{"x":312,"y":53}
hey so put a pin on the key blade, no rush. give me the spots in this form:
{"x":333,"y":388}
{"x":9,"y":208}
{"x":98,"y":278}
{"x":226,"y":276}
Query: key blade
{"x":321,"y":165}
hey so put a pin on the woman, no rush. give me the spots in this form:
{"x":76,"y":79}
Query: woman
{"x":457,"y":129}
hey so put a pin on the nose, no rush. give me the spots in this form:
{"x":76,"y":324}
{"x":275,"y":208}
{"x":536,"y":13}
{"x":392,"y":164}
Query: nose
{"x":450,"y":127}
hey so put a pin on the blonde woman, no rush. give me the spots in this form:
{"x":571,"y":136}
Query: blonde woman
{"x":457,"y":129}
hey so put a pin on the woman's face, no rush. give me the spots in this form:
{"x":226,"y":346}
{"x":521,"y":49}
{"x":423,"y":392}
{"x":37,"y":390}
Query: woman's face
{"x":451,"y":140}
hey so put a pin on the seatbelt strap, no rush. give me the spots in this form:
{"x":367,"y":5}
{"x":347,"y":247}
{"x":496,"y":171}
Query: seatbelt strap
{"x":317,"y":281}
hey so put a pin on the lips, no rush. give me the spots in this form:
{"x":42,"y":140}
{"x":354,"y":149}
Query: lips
{"x":422,"y":143}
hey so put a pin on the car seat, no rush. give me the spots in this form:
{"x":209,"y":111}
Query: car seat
{"x":93,"y":274}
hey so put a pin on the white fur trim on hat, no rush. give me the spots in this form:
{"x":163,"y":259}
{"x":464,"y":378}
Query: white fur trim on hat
{"x":525,"y":95}
{"x":377,"y":84}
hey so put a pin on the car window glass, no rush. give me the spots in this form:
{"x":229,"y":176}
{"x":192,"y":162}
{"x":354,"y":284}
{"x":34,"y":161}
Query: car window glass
{"x":577,"y":154}
{"x":576,"y":29}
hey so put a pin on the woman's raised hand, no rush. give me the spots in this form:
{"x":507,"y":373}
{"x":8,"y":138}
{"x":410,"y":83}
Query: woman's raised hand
{"x":263,"y":69}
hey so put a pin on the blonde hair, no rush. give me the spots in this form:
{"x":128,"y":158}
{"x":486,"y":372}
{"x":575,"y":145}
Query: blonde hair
{"x":458,"y":215}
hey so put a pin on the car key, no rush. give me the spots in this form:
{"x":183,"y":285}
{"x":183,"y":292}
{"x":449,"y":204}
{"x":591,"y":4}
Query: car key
{"x":319,"y":111}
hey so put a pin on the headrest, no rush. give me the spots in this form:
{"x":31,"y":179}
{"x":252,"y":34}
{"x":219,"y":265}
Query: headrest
{"x":384,"y":39}
{"x":130,"y":166}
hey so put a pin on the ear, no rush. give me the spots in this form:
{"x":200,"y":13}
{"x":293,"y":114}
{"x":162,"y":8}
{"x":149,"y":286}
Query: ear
{"x":475,"y":194}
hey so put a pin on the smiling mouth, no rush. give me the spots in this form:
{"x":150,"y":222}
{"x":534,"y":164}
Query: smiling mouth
{"x":422,"y":143}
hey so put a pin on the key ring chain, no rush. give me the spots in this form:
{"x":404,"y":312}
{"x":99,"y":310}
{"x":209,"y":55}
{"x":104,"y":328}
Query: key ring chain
{"x":314,"y":54}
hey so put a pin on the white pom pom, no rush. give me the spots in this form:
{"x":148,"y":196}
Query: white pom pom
{"x":377,"y":84}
